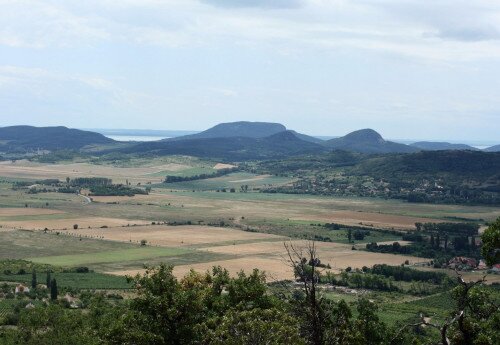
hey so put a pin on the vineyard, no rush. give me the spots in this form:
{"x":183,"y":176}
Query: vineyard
{"x":91,"y":280}
{"x":6,"y":306}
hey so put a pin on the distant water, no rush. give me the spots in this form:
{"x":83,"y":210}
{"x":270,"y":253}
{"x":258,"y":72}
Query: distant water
{"x":135,"y":137}
{"x":478,"y":144}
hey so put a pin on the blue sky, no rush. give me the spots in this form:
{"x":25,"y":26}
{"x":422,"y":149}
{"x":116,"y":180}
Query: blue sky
{"x":407,"y":68}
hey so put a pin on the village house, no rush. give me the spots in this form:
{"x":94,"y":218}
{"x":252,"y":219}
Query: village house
{"x":462,"y":263}
{"x":21,"y":289}
{"x":496,"y":269}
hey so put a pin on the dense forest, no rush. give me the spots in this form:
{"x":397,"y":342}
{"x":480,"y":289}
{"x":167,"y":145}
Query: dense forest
{"x":218,"y":173}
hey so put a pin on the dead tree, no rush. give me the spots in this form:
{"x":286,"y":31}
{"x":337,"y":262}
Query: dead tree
{"x":304,"y":262}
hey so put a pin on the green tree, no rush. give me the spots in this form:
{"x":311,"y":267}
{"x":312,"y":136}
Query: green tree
{"x":491,"y":243}
{"x":165,"y":311}
{"x":53,"y":289}
{"x":54,"y":325}
{"x":340,"y":327}
{"x":48,"y":280}
{"x":371,"y":329}
{"x":33,"y":279}
{"x":256,"y":326}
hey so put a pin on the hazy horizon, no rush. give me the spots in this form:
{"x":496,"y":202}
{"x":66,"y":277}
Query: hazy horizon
{"x":411,"y":69}
{"x":154,"y":134}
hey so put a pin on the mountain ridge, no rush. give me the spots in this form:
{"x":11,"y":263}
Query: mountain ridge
{"x":441,"y":145}
{"x":281,"y":144}
{"x":367,"y":141}
{"x":247,"y":129}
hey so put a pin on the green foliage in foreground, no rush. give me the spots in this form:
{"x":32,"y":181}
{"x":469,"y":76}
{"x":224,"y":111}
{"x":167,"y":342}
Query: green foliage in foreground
{"x":214,"y":308}
{"x":491,"y":243}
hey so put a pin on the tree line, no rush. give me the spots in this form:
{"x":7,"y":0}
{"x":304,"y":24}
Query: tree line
{"x":218,"y":173}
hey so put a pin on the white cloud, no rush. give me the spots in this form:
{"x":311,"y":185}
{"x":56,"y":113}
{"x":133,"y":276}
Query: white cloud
{"x":43,"y":83}
{"x":438,"y":30}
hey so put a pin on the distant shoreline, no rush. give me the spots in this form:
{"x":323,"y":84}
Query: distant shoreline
{"x":153,"y":135}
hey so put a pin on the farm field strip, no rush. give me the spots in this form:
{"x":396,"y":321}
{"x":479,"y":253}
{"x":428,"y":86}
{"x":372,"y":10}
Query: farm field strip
{"x":109,"y":256}
{"x":24,"y":211}
{"x":176,"y":236}
{"x":67,"y":222}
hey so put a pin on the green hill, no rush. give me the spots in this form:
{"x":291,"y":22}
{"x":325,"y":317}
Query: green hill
{"x":495,"y":148}
{"x":27,"y":138}
{"x":282,"y":144}
{"x":243,"y":129}
{"x":460,"y":164}
{"x":436,"y":146}
{"x":468,"y":177}
{"x":367,"y":141}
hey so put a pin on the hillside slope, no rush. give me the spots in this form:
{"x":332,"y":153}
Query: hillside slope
{"x":244,"y":129}
{"x":495,"y":148}
{"x":463,"y":177}
{"x":367,"y":141}
{"x":282,"y":144}
{"x":24,"y":138}
{"x":460,"y":164}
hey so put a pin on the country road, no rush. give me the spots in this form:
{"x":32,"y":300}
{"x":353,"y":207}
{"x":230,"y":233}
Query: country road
{"x":87,"y":199}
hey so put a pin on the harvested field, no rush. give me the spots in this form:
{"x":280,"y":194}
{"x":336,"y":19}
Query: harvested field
{"x":271,"y":257}
{"x":26,"y":211}
{"x":59,"y":224}
{"x":137,"y":198}
{"x":275,"y":269}
{"x":378,"y":220}
{"x":30,"y":170}
{"x":256,"y":178}
{"x":175,"y":236}
{"x":220,"y":166}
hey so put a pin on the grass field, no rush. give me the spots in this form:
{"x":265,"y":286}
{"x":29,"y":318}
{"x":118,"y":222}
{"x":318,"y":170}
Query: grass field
{"x":19,"y":244}
{"x":234,"y":180}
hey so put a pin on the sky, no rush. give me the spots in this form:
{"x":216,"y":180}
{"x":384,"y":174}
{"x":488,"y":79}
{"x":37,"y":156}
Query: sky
{"x":420,"y":69}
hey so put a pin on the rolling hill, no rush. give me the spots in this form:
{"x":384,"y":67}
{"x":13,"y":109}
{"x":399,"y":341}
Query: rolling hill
{"x":27,"y":138}
{"x":244,"y":129}
{"x":436,"y":146}
{"x":367,"y":141}
{"x":282,"y":144}
{"x":460,"y":164}
{"x":495,"y":148}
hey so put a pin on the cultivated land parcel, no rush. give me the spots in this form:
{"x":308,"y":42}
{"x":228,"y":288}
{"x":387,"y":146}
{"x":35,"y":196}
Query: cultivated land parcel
{"x":195,"y":224}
